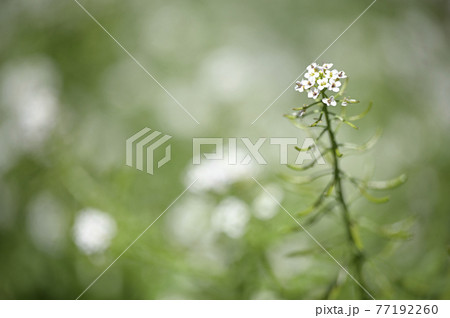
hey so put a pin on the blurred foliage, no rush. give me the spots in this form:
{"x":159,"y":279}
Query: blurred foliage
{"x":70,"y":97}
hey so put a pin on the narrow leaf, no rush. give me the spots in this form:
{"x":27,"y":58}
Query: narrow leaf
{"x":303,"y":149}
{"x":357,"y":237}
{"x":372,"y":198}
{"x":306,"y":211}
{"x":301,"y":252}
{"x":388,"y":184}
{"x":367,"y":145}
{"x":302,"y":168}
{"x":398,"y":235}
{"x":306,"y":179}
{"x":350,"y":124}
{"x":363,"y":114}
{"x":319,"y":120}
{"x":330,"y":190}
{"x":290,"y":116}
{"x":345,"y":121}
{"x":343,"y":88}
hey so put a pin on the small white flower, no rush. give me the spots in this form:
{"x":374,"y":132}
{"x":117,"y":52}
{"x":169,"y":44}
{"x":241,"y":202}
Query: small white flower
{"x":334,"y":85}
{"x":329,"y":101}
{"x":327,"y":74}
{"x":304,"y":84}
{"x":322,"y":83}
{"x":314,"y":93}
{"x":334,"y":74}
{"x":312,"y":73}
{"x":312,"y":68}
{"x":310,"y":82}
{"x":327,"y":66}
{"x":300,"y":86}
{"x":341,"y":74}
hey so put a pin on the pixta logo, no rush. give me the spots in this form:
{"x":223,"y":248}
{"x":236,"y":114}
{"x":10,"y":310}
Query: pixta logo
{"x":141,"y":150}
{"x":142,"y":146}
{"x":308,"y":151}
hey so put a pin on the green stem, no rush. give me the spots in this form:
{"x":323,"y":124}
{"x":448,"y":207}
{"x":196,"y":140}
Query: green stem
{"x":357,"y":254}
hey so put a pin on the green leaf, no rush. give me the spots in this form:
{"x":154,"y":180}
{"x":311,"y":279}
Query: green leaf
{"x":319,"y":202}
{"x":399,"y":230}
{"x":397,"y":235}
{"x":319,"y":120}
{"x":319,"y":211}
{"x":355,"y":233}
{"x":350,"y":124}
{"x":388,"y":184}
{"x":367,"y":145}
{"x":309,"y":165}
{"x":303,"y":149}
{"x":302,"y":252}
{"x":345,"y":121}
{"x":298,"y":124}
{"x":343,"y":112}
{"x":306,"y":179}
{"x":330,"y":190}
{"x":343,"y":88}
{"x":395,"y":231}
{"x":363,"y":114}
{"x":372,"y":198}
{"x":302,"y":168}
{"x":306,"y":211}
{"x":290,"y":116}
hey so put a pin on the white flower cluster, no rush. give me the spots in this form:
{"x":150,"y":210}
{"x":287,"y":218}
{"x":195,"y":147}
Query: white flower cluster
{"x":320,"y":78}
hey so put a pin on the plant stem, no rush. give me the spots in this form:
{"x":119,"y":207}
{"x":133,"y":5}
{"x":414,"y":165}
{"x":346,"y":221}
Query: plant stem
{"x":357,"y":254}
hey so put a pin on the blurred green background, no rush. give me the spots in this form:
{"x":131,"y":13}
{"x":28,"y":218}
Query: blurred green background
{"x":70,"y":97}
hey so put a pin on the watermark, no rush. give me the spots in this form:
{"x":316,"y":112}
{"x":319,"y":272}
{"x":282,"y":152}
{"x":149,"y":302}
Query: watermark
{"x":143,"y":145}
{"x":140,"y":150}
{"x":308,"y":150}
